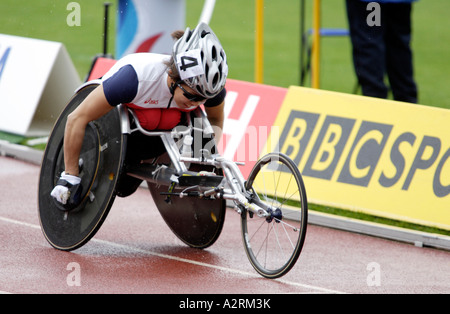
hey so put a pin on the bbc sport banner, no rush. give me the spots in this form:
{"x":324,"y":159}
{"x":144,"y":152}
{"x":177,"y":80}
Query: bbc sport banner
{"x":380,"y":157}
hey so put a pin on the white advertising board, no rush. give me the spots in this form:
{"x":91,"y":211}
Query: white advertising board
{"x":37,"y":78}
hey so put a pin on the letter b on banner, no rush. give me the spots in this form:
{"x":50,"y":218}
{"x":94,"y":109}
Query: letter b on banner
{"x":328,"y":148}
{"x":297,"y":134}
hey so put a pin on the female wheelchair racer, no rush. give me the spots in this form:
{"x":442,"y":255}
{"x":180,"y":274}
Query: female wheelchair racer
{"x":158,"y":89}
{"x":95,"y":153}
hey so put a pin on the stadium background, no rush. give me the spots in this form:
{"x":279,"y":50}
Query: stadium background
{"x":234,"y":22}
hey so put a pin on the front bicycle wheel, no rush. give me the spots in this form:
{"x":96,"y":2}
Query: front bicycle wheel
{"x":273,"y":243}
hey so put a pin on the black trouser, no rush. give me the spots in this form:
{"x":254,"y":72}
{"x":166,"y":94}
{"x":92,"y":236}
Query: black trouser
{"x":381,"y":50}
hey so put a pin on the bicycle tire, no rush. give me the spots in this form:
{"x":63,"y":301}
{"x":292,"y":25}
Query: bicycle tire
{"x":102,"y":145}
{"x":273,"y":244}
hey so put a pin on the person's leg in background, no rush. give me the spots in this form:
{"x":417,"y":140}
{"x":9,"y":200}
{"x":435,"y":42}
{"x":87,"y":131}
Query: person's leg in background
{"x":368,"y":50}
{"x":399,"y":57}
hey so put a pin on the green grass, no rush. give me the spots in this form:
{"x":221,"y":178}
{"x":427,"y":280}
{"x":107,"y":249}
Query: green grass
{"x":234,"y":23}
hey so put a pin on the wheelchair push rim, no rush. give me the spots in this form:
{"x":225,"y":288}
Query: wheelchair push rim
{"x":102,"y":144}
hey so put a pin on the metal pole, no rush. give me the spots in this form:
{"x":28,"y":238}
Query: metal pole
{"x":259,"y":42}
{"x":302,"y":42}
{"x":105,"y":31}
{"x":316,"y":45}
{"x":208,"y":9}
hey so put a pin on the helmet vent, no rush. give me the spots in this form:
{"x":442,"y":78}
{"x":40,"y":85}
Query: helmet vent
{"x":215,"y":79}
{"x":188,"y":37}
{"x":214,"y":53}
{"x":206,"y":71}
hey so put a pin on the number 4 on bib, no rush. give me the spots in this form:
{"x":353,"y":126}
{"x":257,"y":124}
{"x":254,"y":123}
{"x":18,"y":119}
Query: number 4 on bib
{"x":190,"y":64}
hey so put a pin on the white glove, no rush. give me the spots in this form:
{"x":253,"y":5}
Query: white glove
{"x":61,"y":191}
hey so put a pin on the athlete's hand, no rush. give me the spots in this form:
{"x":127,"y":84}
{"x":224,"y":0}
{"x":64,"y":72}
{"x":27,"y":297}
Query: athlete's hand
{"x":67,"y":190}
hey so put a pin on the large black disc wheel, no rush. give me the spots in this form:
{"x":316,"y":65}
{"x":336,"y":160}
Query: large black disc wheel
{"x":196,"y":222}
{"x":101,"y":158}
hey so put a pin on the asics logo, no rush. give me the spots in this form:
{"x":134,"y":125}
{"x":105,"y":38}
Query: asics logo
{"x":152,"y":102}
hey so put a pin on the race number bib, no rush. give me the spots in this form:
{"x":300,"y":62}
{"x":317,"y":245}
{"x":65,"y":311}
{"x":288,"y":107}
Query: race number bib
{"x":190,"y":64}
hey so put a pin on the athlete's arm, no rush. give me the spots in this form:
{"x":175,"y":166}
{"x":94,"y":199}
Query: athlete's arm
{"x":121,"y":87}
{"x":93,"y":107}
{"x":216,"y":117}
{"x":215,"y":111}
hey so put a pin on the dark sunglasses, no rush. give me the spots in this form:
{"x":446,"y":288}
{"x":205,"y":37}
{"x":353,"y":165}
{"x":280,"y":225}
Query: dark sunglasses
{"x":189,"y":96}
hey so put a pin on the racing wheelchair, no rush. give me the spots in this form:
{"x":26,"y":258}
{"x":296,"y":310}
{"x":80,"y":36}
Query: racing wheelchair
{"x":191,"y":191}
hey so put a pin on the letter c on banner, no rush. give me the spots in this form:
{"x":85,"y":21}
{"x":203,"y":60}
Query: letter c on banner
{"x":365,"y":153}
{"x":355,"y":171}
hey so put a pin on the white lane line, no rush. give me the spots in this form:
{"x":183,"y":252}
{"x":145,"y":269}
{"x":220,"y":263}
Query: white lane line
{"x":20,"y":223}
{"x":183,"y":260}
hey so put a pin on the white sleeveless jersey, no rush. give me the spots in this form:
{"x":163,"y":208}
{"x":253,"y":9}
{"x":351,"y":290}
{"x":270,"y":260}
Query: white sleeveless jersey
{"x":152,"y":90}
{"x":140,"y":80}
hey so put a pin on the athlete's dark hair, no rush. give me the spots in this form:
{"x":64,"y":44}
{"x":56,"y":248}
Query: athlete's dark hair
{"x":172,"y":69}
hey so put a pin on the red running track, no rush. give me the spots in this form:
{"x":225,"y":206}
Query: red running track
{"x":135,"y":252}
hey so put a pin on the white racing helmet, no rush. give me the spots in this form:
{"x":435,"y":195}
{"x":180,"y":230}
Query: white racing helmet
{"x":201,"y":61}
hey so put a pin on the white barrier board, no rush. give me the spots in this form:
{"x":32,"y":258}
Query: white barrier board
{"x":37,"y":78}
